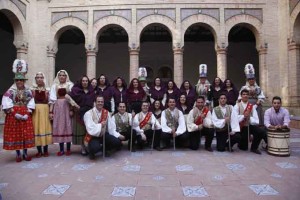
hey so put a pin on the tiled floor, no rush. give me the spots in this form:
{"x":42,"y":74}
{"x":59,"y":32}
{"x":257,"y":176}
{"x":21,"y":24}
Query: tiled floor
{"x":175,"y":175}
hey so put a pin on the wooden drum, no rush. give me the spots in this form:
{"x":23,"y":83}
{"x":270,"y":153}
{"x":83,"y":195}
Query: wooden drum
{"x":279,"y":142}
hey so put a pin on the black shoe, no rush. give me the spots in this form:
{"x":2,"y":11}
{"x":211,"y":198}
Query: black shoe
{"x":256,"y":151}
{"x":158,"y":148}
{"x":92,"y":156}
{"x":209,"y":149}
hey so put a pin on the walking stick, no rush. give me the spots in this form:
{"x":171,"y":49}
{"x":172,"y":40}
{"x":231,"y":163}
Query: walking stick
{"x":248,"y":136}
{"x":131,"y":131}
{"x":174,"y":143}
{"x":153,"y":137}
{"x":103,"y":145}
{"x":229,"y":140}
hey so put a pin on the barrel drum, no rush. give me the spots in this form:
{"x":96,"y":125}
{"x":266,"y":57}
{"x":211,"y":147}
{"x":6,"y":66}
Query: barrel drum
{"x":279,"y":142}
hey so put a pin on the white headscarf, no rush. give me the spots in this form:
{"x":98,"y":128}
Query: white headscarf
{"x":34,"y":84}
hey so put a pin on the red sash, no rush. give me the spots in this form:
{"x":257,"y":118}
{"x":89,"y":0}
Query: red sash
{"x":104,"y":115}
{"x":249,"y":108}
{"x":145,"y":120}
{"x":199,"y":120}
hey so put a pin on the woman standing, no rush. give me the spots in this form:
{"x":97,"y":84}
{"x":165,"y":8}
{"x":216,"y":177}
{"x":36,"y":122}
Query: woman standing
{"x":41,"y":121}
{"x":182,"y":105}
{"x":18,"y":104}
{"x":157,"y":109}
{"x":187,"y":89}
{"x":230,"y":91}
{"x":172,"y":90}
{"x":60,"y":112}
{"x":135,"y":95}
{"x":104,"y":90}
{"x":82,"y":98}
{"x":216,"y":89}
{"x":119,"y":91}
{"x":157,"y":92}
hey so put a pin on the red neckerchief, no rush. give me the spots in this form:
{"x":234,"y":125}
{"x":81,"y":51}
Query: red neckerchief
{"x":145,"y":120}
{"x":199,"y":120}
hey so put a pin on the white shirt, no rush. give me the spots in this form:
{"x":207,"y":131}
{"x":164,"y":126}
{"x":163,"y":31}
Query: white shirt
{"x":220,"y":123}
{"x":254,"y":120}
{"x":191,"y":126}
{"x":136,"y":123}
{"x":181,"y":123}
{"x":113,"y":126}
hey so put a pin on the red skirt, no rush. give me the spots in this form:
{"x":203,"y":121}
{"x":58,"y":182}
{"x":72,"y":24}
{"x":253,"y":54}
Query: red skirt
{"x":18,"y":134}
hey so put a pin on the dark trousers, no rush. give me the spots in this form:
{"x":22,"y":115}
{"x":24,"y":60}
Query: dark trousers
{"x":180,"y":140}
{"x":127,"y":136}
{"x":195,"y":138}
{"x":149,"y":135}
{"x":222,"y":142}
{"x":96,"y":143}
{"x":258,"y":134}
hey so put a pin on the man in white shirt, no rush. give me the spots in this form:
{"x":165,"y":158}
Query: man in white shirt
{"x":121,"y":124}
{"x":173,"y":125}
{"x":144,"y":124}
{"x":226,"y":123}
{"x":199,"y":124}
{"x":97,"y":122}
{"x":248,"y":119}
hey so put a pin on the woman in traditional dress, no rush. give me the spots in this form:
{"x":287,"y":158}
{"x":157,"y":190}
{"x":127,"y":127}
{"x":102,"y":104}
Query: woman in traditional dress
{"x":216,"y":89}
{"x":61,"y":112}
{"x":172,"y":91}
{"x":119,"y":91}
{"x":41,"y":121}
{"x":230,"y":91}
{"x":135,"y":95}
{"x":82,"y":98}
{"x":105,"y":90}
{"x":18,"y":104}
{"x":158,"y":92}
{"x":187,"y":89}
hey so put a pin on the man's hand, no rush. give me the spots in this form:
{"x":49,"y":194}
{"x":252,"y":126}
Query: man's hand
{"x":103,"y":123}
{"x":227,"y":120}
{"x":121,"y":137}
{"x":143,"y":136}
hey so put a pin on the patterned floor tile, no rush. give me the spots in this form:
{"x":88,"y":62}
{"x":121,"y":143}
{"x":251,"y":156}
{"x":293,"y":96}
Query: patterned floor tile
{"x":42,"y":175}
{"x":178,"y":154}
{"x":276,"y":175}
{"x":56,"y":189}
{"x":235,"y":167}
{"x":184,"y":168}
{"x":263,"y":190}
{"x":218,"y":153}
{"x":99,"y":178}
{"x":3,"y":185}
{"x":123,"y":192}
{"x":158,"y":178}
{"x":32,"y":165}
{"x":218,"y":177}
{"x":286,"y":165}
{"x":132,"y":168}
{"x":81,"y":167}
{"x":137,"y":154}
{"x":194,"y":191}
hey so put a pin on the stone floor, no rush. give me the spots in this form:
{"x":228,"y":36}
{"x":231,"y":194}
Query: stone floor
{"x":175,"y":175}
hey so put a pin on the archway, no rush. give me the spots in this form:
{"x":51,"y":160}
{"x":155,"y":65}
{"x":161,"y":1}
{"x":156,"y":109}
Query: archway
{"x":294,"y":75}
{"x":156,"y":48}
{"x":113,"y":55}
{"x":241,"y":50}
{"x":71,"y":55}
{"x":199,"y":48}
{"x":8,"y":52}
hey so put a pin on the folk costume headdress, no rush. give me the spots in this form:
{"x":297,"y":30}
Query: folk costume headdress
{"x":142,"y":74}
{"x":249,"y":71}
{"x":202,"y":70}
{"x":20,"y":69}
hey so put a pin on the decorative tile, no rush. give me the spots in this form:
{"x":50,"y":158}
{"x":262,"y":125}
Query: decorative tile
{"x":184,"y":168}
{"x":137,"y":154}
{"x":158,"y":178}
{"x":81,"y":167}
{"x":236,"y":167}
{"x":33,"y":165}
{"x":218,"y":153}
{"x":194,"y":191}
{"x":286,"y":165}
{"x":218,"y":177}
{"x":158,"y":160}
{"x":42,"y":175}
{"x":3,"y":185}
{"x":123,"y":192}
{"x":178,"y":154}
{"x":132,"y":168}
{"x":276,"y":175}
{"x":263,"y":190}
{"x":56,"y":189}
{"x":67,"y":158}
{"x":99,"y":178}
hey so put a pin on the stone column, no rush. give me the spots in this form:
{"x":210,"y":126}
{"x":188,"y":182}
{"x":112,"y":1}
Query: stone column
{"x":51,"y":54}
{"x":263,"y":72}
{"x":178,"y":65}
{"x":22,"y":51}
{"x":222,"y":63}
{"x":91,"y":63}
{"x":134,"y":63}
{"x":294,"y":74}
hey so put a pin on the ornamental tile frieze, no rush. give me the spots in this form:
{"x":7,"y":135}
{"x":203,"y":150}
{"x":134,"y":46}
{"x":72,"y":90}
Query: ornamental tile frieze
{"x":21,"y":6}
{"x":293,"y":4}
{"x":99,"y":14}
{"x":82,"y":15}
{"x":254,"y":12}
{"x":170,"y":13}
{"x":212,"y":12}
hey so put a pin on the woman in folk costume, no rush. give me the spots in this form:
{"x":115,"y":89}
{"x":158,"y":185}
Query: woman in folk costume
{"x":143,"y":81}
{"x":61,"y":112}
{"x":82,"y":98}
{"x":188,"y":90}
{"x":256,"y":95}
{"x":105,"y":90}
{"x":119,"y":92}
{"x":158,"y":92}
{"x":18,"y":104}
{"x":203,"y":87}
{"x":172,"y":91}
{"x":41,"y":121}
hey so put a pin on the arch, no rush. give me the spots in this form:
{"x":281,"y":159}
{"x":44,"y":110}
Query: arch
{"x":65,"y":24}
{"x":165,"y":73}
{"x":17,"y":20}
{"x":111,"y":20}
{"x":211,"y":23}
{"x":248,"y":21}
{"x":155,"y":19}
{"x":293,"y":18}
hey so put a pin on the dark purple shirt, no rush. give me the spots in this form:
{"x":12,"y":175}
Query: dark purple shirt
{"x":157,"y":94}
{"x":232,"y":95}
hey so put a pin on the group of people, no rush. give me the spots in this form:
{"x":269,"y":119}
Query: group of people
{"x":99,"y":116}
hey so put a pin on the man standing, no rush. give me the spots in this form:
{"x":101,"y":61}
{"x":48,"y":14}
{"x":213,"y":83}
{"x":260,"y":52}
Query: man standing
{"x":144,"y":124}
{"x":203,"y":86}
{"x":173,"y":125}
{"x":199,"y":123}
{"x":249,"y":121}
{"x":226,"y":123}
{"x":97,"y":121}
{"x":121,"y":124}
